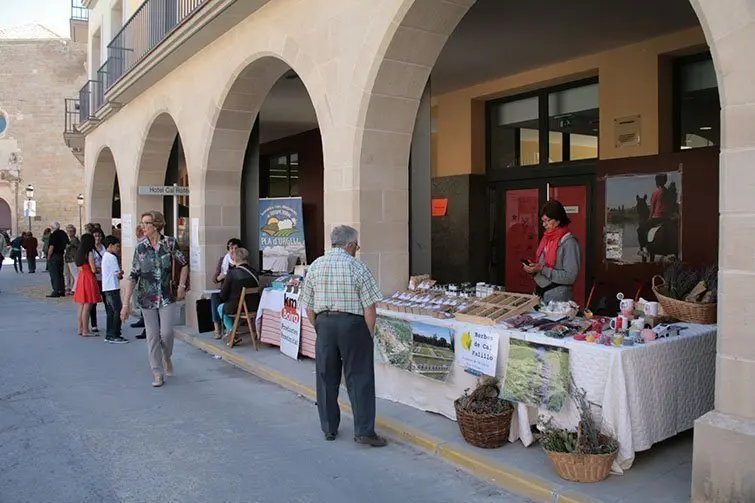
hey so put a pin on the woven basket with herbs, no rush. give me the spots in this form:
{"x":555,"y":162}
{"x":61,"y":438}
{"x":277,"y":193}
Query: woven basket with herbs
{"x":484,"y":418}
{"x":585,"y":455}
{"x":688,"y":294}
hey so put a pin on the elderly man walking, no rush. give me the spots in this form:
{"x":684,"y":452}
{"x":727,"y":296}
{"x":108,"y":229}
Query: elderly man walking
{"x":55,"y":259}
{"x":339,"y":296}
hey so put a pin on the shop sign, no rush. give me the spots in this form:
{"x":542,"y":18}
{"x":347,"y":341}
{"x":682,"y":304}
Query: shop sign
{"x":281,"y":231}
{"x":30,"y":208}
{"x":291,"y":323}
{"x":163,"y":190}
{"x":478,"y":350}
{"x":440,"y":207}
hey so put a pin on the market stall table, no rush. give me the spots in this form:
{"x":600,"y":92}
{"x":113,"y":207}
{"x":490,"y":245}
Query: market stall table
{"x":268,"y":323}
{"x":645,"y":393}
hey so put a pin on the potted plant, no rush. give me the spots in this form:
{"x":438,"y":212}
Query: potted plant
{"x":483,"y":417}
{"x":585,"y":455}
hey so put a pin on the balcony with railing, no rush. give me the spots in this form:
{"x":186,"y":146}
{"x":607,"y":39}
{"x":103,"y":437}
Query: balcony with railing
{"x":92,"y":95}
{"x":79,"y":22}
{"x":72,"y":116}
{"x":71,"y":134}
{"x":152,"y":23}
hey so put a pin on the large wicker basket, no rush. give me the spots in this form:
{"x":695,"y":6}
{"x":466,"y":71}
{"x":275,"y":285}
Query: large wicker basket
{"x":704,"y":314}
{"x":488,"y":431}
{"x":582,"y":467}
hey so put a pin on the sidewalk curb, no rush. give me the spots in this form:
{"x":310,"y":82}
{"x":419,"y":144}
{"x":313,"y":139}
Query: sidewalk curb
{"x":507,"y":477}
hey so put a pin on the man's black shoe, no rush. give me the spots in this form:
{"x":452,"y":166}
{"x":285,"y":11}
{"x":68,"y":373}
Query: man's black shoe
{"x":330,"y":436}
{"x":53,"y":295}
{"x":138,"y":324}
{"x":371,"y":440}
{"x":142,"y":335}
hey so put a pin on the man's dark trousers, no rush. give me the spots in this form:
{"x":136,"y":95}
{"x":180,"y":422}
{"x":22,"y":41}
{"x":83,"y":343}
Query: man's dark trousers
{"x":56,"y":265}
{"x":344,"y":341}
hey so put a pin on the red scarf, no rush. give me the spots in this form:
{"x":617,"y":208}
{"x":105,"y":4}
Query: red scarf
{"x":549,"y":245}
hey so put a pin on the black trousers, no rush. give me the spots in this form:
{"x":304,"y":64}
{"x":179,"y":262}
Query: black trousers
{"x":344,"y":343}
{"x":32,"y":261}
{"x":55,"y":266}
{"x":93,"y":311}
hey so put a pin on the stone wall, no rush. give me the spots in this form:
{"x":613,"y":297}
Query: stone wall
{"x":36,"y":76}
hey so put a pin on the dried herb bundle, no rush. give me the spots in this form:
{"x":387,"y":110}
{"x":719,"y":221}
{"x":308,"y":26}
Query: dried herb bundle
{"x":586,"y":440}
{"x":485,"y":398}
{"x":680,"y":280}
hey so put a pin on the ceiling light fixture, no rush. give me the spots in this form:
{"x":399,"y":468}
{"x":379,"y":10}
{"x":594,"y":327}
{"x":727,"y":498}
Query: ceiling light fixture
{"x":706,"y":128}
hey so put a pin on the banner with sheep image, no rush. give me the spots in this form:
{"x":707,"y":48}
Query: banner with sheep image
{"x":282,"y":234}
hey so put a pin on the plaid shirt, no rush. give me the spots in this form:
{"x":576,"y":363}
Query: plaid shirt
{"x":339,"y":282}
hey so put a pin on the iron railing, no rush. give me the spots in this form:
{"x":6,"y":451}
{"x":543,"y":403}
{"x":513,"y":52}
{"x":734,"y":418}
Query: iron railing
{"x":78,"y":11}
{"x":72,"y":118}
{"x":152,"y":23}
{"x":86,"y":101}
{"x":99,"y":87}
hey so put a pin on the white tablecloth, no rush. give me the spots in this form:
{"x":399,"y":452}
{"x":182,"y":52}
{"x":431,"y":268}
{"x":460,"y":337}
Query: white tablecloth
{"x":271,"y":300}
{"x":643,"y":394}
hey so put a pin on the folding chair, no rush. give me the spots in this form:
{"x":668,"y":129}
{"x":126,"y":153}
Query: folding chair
{"x":250,"y":318}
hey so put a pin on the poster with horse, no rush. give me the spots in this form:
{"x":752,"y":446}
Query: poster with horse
{"x":643,"y":217}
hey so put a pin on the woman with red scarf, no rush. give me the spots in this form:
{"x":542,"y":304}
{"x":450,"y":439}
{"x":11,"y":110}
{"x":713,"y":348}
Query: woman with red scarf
{"x":558,"y":256}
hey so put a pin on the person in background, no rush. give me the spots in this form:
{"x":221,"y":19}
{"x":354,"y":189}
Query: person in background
{"x":4,"y":247}
{"x":339,"y":297}
{"x":140,"y":322}
{"x":98,"y":252}
{"x":660,"y":210}
{"x":221,"y":271}
{"x":16,"y":245}
{"x":558,"y":259}
{"x":87,"y":291}
{"x":70,"y":271}
{"x":56,"y":248}
{"x":31,"y":246}
{"x":238,"y":277}
{"x":111,"y":290}
{"x":151,"y":273}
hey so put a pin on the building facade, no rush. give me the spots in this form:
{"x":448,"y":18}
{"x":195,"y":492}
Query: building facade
{"x":40,"y":70}
{"x":487,"y":108}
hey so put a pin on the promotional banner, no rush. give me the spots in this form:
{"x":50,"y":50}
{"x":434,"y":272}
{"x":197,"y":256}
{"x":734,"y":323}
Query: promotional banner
{"x":281,"y":233}
{"x":537,"y":375}
{"x":416,"y":347}
{"x":291,"y":323}
{"x":478,"y":350}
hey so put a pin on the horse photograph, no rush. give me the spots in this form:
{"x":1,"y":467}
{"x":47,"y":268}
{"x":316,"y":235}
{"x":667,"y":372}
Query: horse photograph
{"x":643,"y":217}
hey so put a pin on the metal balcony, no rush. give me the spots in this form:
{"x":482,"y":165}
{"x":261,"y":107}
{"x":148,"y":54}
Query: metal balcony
{"x":152,"y":23}
{"x":86,"y":101}
{"x":72,"y":116}
{"x":78,"y":11}
{"x":100,"y":86}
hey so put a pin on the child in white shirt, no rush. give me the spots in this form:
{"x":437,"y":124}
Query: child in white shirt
{"x":111,"y":290}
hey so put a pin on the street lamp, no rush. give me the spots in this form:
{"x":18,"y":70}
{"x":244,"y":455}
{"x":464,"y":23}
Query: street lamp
{"x":80,"y":199}
{"x":29,"y":197}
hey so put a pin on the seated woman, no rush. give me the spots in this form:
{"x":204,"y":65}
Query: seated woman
{"x":221,"y":271}
{"x":558,"y":256}
{"x":238,"y":277}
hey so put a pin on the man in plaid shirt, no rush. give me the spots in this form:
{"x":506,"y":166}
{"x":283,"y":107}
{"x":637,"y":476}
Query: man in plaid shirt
{"x":339,"y":296}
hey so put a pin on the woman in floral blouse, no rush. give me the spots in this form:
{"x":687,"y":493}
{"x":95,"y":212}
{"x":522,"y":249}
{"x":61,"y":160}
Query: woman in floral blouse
{"x":151,"y":273}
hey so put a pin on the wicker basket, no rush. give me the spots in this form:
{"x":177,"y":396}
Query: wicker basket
{"x":704,"y":314}
{"x":488,"y":431}
{"x":582,"y":467}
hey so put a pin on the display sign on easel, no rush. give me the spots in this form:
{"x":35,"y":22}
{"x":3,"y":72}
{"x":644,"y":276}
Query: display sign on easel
{"x":291,"y":323}
{"x":281,"y":228}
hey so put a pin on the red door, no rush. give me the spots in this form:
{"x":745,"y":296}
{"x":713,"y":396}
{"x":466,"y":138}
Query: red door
{"x":574,"y":199}
{"x":522,"y":236}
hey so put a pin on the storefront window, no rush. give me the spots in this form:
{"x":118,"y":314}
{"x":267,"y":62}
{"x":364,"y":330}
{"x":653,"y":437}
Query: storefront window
{"x":698,"y":106}
{"x":553,"y":126}
{"x":514,"y":134}
{"x":283,"y":175}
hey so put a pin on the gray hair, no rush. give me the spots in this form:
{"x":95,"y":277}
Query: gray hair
{"x":71,"y":227}
{"x":241,"y":255}
{"x":56,"y":226}
{"x":343,"y":235}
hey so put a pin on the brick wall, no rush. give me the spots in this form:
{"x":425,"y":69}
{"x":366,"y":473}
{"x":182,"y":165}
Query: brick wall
{"x":35,"y":77}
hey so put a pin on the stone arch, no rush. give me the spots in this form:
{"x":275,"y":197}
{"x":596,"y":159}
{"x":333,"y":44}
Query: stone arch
{"x":152,"y":166}
{"x":232,"y":123}
{"x":100,"y":196}
{"x":6,"y":215}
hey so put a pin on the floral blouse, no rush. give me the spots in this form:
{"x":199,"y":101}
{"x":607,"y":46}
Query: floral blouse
{"x":151,"y":271}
